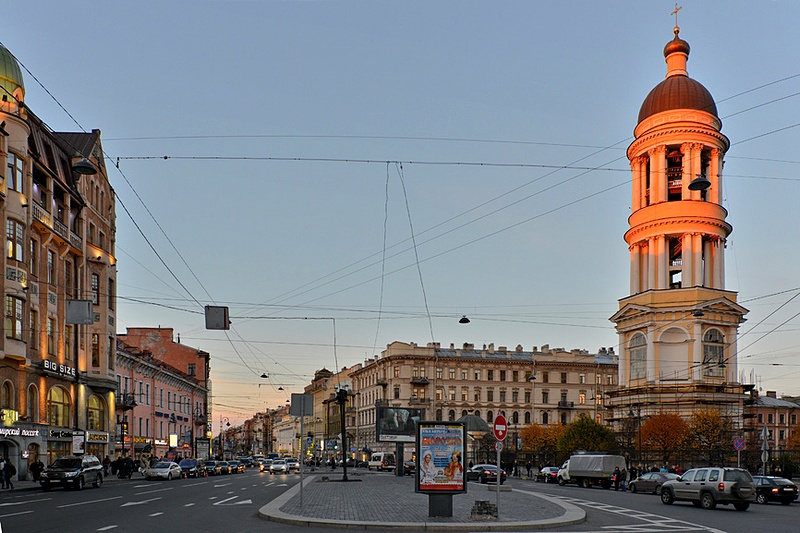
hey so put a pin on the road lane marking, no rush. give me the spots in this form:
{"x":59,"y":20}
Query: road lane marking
{"x":195,"y":484}
{"x":15,"y":514}
{"x":188,"y":504}
{"x":107,"y":528}
{"x":128,"y":504}
{"x":226,"y":500}
{"x":153,"y":491}
{"x":24,"y":502}
{"x":87,"y":502}
{"x":156,"y":514}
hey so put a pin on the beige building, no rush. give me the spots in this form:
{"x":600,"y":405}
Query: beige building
{"x":448,"y":383}
{"x":678,"y":328}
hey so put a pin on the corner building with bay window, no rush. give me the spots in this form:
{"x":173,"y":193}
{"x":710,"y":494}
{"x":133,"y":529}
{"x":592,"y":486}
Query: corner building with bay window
{"x":57,"y":378}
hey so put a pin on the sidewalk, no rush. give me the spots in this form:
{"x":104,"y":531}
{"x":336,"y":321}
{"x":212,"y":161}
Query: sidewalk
{"x":384,"y":501}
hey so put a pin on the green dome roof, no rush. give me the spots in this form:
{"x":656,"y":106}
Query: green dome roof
{"x":10,"y":74}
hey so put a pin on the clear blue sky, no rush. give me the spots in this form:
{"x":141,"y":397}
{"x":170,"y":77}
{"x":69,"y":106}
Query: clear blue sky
{"x":510,"y":120}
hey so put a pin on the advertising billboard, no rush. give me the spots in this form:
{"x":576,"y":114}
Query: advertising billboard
{"x":397,"y":424}
{"x":440,"y":468}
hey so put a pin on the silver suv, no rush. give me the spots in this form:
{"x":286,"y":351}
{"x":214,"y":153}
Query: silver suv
{"x":73,"y":472}
{"x":706,"y":487}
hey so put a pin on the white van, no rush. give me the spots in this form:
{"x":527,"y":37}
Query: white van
{"x":381,"y":461}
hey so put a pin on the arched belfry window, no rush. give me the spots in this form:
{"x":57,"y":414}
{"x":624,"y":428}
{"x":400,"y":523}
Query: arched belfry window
{"x":637,"y":351}
{"x":713,"y":354}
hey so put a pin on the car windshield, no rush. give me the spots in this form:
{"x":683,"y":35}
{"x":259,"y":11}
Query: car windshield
{"x":737,"y":475}
{"x":278,"y":462}
{"x":163,"y":465}
{"x":188,"y":462}
{"x":783,"y":481}
{"x":66,"y":463}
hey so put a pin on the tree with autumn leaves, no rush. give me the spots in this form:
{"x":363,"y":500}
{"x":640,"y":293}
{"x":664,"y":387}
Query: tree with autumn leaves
{"x":664,"y":433}
{"x":542,"y":441}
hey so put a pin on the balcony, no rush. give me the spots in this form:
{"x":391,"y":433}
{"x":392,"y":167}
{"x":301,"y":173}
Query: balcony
{"x":419,"y":401}
{"x":382,"y":382}
{"x":563,"y":404}
{"x":126,"y":401}
{"x":419,"y":380}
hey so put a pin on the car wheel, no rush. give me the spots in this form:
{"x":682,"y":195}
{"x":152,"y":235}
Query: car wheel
{"x":658,"y":490}
{"x":79,"y":483}
{"x":98,"y":482}
{"x":632,"y":487}
{"x":761,"y":498}
{"x":741,"y":506}
{"x":169,"y":476}
{"x":707,"y":501}
{"x":484,"y":480}
{"x":586,"y":483}
{"x":666,"y":497}
{"x":561,"y":481}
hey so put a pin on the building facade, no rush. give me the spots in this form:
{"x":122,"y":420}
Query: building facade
{"x":678,"y":328}
{"x":57,"y":357}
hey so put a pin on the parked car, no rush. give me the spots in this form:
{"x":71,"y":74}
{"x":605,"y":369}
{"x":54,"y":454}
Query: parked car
{"x":381,"y":461}
{"x":224,"y":467}
{"x":73,"y":472}
{"x":548,"y":474}
{"x":193,"y":468}
{"x":775,"y":489}
{"x":213,"y":467}
{"x":485,"y":473}
{"x":409,"y":468}
{"x":264,"y":465}
{"x":235,"y":466}
{"x":278,"y":466}
{"x":292,"y":465}
{"x":707,"y":487}
{"x":164,"y":470}
{"x":651,"y":482}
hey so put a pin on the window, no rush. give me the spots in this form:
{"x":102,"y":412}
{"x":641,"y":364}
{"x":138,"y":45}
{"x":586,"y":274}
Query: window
{"x":192,"y":369}
{"x":439,"y":375}
{"x":110,"y":352}
{"x":33,"y":322}
{"x":451,"y":415}
{"x":770,"y":418}
{"x":781,"y":434}
{"x":545,"y":377}
{"x":415,"y":372}
{"x":95,"y":349}
{"x":451,"y":373}
{"x":563,"y":377}
{"x":794,"y":419}
{"x":581,"y":378}
{"x":58,"y":407}
{"x":515,"y":375}
{"x":760,"y":418}
{"x":502,"y":375}
{"x":527,"y":417}
{"x":8,"y":395}
{"x":515,"y":396}
{"x":563,"y":419}
{"x":515,"y":417}
{"x":97,"y":413}
{"x":637,"y":349}
{"x":782,"y":418}
{"x":464,"y":393}
{"x":418,"y":393}
{"x":489,"y":395}
{"x":476,"y":395}
{"x":68,"y":350}
{"x":14,"y":317}
{"x":490,"y":375}
{"x":33,"y":404}
{"x":95,"y":289}
{"x":33,"y":257}
{"x":477,"y":375}
{"x":452,"y":395}
{"x":502,"y":395}
{"x":16,"y":172}
{"x":439,"y":396}
{"x":527,"y":396}
{"x":111,"y":295}
{"x":397,"y":393}
{"x":545,"y":419}
{"x":147,"y":393}
{"x":51,"y":336}
{"x":582,"y":398}
{"x":464,"y":375}
{"x":490,"y":417}
{"x":545,"y":397}
{"x":609,"y":379}
{"x":713,"y":354}
{"x":15,"y":240}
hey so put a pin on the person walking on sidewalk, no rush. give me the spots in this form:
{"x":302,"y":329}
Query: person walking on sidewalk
{"x":36,"y":469}
{"x":2,"y":473}
{"x":10,"y":471}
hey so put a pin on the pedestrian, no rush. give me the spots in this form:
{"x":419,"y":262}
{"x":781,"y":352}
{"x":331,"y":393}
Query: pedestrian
{"x":106,"y":465}
{"x":633,"y":473}
{"x":624,"y":479}
{"x":529,"y":466}
{"x":36,"y":469}
{"x":9,"y":471}
{"x":2,"y":473}
{"x":615,"y":477}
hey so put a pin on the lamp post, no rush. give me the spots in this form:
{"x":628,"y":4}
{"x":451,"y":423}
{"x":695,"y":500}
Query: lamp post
{"x":341,"y":398}
{"x":228,"y":422}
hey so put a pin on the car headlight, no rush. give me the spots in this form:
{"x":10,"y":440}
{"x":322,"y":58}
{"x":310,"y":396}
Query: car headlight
{"x":43,"y":475}
{"x":70,"y":474}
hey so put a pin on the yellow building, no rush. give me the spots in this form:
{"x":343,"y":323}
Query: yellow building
{"x":678,"y":328}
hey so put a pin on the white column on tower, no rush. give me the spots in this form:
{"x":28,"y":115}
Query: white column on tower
{"x":686,"y":260}
{"x":697,"y":260}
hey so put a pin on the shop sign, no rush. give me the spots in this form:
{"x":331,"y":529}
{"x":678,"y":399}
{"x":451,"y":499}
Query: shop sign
{"x":141,"y":440}
{"x":19,"y":431}
{"x":61,"y":370}
{"x":98,"y":437}
{"x":161,"y":442}
{"x":60,"y":434}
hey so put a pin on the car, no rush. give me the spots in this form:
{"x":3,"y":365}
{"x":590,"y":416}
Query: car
{"x":651,"y":482}
{"x":264,"y":465}
{"x":278,"y":466}
{"x":212,"y":467}
{"x":548,"y":474}
{"x":292,"y":465}
{"x":247,"y":462}
{"x":224,"y":467}
{"x":235,"y":466}
{"x":775,"y":489}
{"x":707,"y":487}
{"x":485,"y":473}
{"x":72,"y":471}
{"x":193,"y":468}
{"x":164,"y":470}
{"x":409,"y":468}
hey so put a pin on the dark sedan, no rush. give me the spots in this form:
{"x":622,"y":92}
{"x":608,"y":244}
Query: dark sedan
{"x":548,"y":474}
{"x":651,"y":482}
{"x":409,"y":468}
{"x":193,"y":468}
{"x":485,"y":473}
{"x":775,"y":489}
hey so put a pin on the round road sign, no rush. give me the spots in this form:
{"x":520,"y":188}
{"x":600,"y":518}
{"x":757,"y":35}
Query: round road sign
{"x":500,"y":427}
{"x":739,"y":444}
{"x":498,"y":446}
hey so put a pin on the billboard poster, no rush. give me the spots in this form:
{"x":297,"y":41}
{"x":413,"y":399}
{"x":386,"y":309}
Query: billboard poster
{"x":397,"y":424}
{"x":440,"y":467}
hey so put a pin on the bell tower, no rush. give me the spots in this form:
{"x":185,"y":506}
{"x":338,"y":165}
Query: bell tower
{"x":678,"y":327}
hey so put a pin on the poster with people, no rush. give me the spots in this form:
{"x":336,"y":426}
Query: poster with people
{"x":440,"y":465}
{"x":397,"y":424}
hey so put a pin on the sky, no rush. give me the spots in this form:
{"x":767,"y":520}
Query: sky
{"x":345,"y":174}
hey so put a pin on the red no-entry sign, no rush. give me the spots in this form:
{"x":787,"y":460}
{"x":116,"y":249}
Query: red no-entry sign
{"x":500,"y":427}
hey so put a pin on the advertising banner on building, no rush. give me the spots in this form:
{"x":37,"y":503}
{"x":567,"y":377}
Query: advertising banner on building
{"x":397,"y":424}
{"x":440,"y":467}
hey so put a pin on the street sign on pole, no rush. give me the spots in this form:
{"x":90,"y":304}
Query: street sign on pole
{"x":500,"y":427}
{"x":739,"y":444}
{"x":498,"y":446}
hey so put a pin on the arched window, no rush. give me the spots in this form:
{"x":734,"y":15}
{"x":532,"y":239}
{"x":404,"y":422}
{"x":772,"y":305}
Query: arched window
{"x":563,"y":419}
{"x":438,"y":414}
{"x":490,"y":417}
{"x":637,"y":350}
{"x":97,"y":413}
{"x":515,"y":418}
{"x":451,"y":415}
{"x":58,"y":407}
{"x":464,"y":412}
{"x":33,"y":404}
{"x":527,"y":417}
{"x":477,"y":413}
{"x":8,"y":395}
{"x":713,"y":354}
{"x":545,"y":419}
